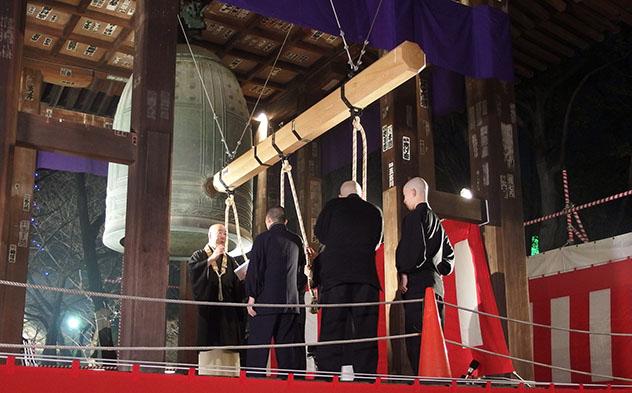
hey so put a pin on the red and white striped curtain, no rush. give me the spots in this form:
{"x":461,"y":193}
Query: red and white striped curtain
{"x":594,"y":298}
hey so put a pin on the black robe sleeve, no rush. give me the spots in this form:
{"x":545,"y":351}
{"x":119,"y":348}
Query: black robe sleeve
{"x":378,"y":227}
{"x":199,"y":276}
{"x":256,"y":269}
{"x":301,"y":278}
{"x":321,"y":229}
{"x":446,"y":265}
{"x":411,"y":249}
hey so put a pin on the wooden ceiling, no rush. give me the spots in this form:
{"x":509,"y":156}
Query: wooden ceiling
{"x":546,"y":32}
{"x":84,"y":48}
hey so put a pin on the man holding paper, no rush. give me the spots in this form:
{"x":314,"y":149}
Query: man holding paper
{"x":213,"y":278}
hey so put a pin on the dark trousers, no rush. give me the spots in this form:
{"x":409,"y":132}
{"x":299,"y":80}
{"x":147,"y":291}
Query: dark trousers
{"x":281,"y":327}
{"x":413,"y":320}
{"x":342,"y":323}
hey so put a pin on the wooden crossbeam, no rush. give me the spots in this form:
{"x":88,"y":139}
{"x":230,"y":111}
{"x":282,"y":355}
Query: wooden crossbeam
{"x":390,"y":71}
{"x":242,"y":54}
{"x":38,"y":132}
{"x":70,"y":26}
{"x":453,"y":206}
{"x":63,"y":35}
{"x":34,"y":55}
{"x":117,"y":45}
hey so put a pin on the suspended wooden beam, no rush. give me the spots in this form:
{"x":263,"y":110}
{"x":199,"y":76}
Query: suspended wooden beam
{"x":390,"y":71}
{"x":40,"y":133}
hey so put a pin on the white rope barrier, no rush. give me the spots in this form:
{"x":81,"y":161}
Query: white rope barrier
{"x":103,"y":364}
{"x":322,"y":343}
{"x":537,"y":363}
{"x":534,"y":324}
{"x":77,"y":292}
{"x":210,"y":348}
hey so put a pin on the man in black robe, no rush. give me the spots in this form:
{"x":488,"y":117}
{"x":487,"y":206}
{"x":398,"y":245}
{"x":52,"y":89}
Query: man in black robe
{"x":212,"y":276}
{"x":276,"y":267}
{"x":350,"y":229}
{"x":423,"y":255}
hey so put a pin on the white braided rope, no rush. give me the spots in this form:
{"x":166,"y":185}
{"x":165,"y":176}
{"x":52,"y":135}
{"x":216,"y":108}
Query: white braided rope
{"x":358,"y":128}
{"x":230,"y":206}
{"x":286,"y":170}
{"x":282,"y":186}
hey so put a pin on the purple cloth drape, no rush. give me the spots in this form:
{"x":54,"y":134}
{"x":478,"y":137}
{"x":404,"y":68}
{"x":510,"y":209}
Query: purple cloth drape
{"x":336,"y":144}
{"x":471,"y":41}
{"x":64,"y":162}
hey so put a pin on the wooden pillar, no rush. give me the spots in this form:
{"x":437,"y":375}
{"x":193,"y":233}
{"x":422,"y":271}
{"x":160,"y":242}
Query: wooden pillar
{"x":425,"y":146}
{"x":187,"y":334}
{"x":309,"y":184}
{"x":12,"y":23}
{"x":399,"y":163}
{"x":495,"y":176}
{"x":146,"y":258}
{"x":308,"y":174}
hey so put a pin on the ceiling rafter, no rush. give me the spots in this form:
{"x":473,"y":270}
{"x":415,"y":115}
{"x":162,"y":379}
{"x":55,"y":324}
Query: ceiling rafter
{"x":296,"y":36}
{"x":88,"y":13}
{"x":70,"y":26}
{"x":99,"y":43}
{"x":65,"y":60}
{"x":118,"y":46}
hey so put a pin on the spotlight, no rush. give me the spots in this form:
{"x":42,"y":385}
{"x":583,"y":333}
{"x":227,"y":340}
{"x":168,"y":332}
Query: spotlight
{"x":262,"y":130}
{"x":262,"y":117}
{"x":466,"y":193}
{"x":73,"y":322}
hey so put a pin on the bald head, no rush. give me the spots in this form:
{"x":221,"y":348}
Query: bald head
{"x":350,"y":187}
{"x":216,"y":235}
{"x":415,"y":192}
